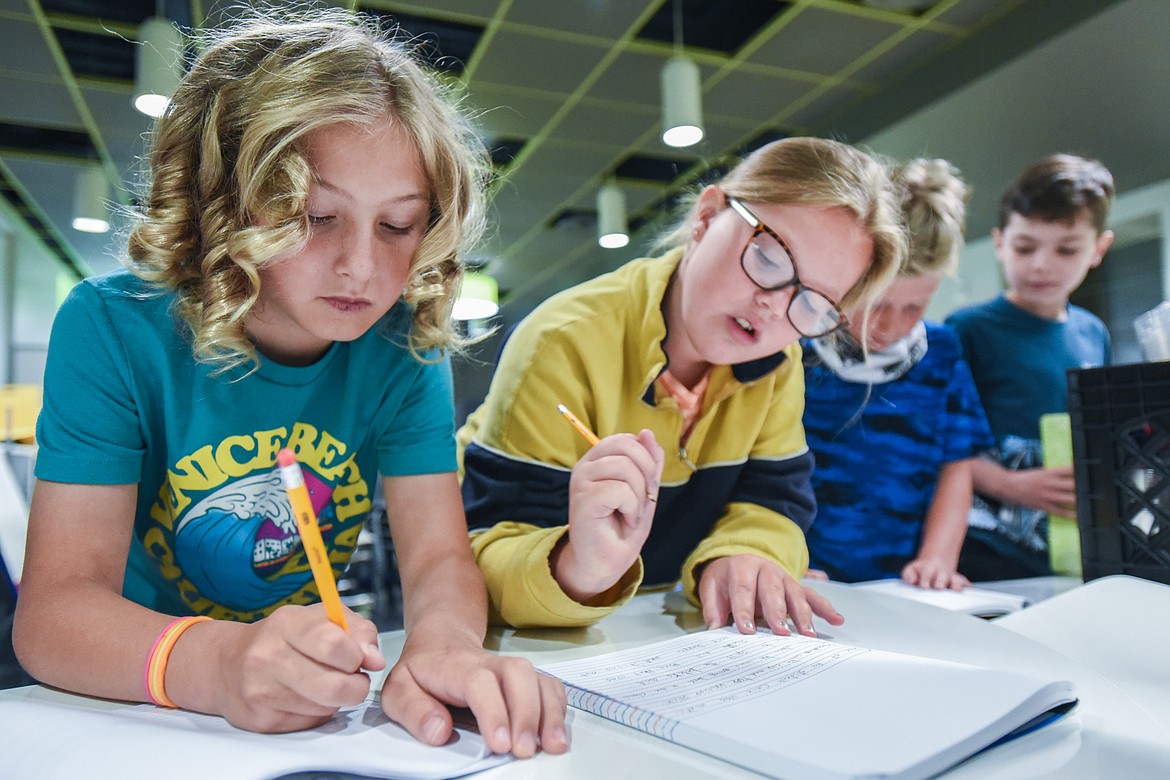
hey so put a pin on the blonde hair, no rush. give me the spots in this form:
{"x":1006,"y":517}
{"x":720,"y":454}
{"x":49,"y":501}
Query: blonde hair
{"x":934,"y":204}
{"x":820,"y":172}
{"x":230,"y":181}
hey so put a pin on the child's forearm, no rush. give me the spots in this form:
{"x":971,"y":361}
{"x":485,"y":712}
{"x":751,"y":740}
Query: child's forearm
{"x":81,"y":637}
{"x":993,"y":480}
{"x":450,"y":597}
{"x":946,"y":519}
{"x":441,"y":585}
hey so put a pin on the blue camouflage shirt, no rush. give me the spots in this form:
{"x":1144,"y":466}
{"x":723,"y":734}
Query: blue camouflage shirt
{"x":879,"y":450}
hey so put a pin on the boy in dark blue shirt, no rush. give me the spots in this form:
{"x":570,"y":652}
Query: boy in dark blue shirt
{"x":1020,"y":346}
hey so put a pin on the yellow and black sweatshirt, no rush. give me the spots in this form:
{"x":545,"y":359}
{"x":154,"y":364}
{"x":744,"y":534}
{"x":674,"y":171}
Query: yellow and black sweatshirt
{"x":741,"y":484}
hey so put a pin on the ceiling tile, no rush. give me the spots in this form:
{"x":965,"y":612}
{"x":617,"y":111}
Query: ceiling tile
{"x":722,"y":27}
{"x":124,"y":130}
{"x":973,"y":13}
{"x":45,"y":180}
{"x":511,"y":113}
{"x":17,"y":57}
{"x":636,"y":77}
{"x":484,"y":9}
{"x":539,"y":63}
{"x":125,"y":11}
{"x":642,"y":196}
{"x":751,"y":95}
{"x":824,"y":42}
{"x":556,"y":160}
{"x":916,"y":48}
{"x":822,"y":107}
{"x":553,"y":189}
{"x":659,"y":168}
{"x":45,"y":141}
{"x":603,"y":18}
{"x":444,"y":44}
{"x":97,"y":55}
{"x":608,"y":122}
{"x":536,"y":86}
{"x":43,"y":102}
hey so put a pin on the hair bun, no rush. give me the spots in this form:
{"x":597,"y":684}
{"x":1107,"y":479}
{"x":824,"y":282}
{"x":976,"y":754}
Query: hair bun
{"x":926,"y":177}
{"x":934,"y":205}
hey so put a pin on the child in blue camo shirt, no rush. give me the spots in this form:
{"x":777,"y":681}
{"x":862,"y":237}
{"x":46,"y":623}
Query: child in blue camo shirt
{"x":894,"y":426}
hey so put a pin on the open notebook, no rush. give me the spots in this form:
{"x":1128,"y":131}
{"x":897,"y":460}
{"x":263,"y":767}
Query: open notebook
{"x":796,"y":707}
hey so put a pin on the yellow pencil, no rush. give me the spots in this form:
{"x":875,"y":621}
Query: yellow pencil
{"x":589,"y":435}
{"x":302,"y":507}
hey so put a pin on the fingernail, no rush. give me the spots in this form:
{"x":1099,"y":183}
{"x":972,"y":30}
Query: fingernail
{"x":502,"y":736}
{"x":433,"y":731}
{"x":372,"y":649}
{"x":748,"y":625}
{"x":560,"y":736}
{"x":527,"y":744}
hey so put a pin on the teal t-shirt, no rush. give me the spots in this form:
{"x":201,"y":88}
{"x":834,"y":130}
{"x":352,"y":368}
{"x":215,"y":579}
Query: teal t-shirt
{"x":126,"y":402}
{"x":1020,"y":361}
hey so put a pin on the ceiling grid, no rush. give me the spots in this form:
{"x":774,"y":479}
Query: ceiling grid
{"x":565,"y":93}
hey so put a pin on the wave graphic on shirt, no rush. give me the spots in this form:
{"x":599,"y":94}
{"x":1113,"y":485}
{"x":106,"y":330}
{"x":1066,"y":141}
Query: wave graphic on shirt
{"x":240,"y":545}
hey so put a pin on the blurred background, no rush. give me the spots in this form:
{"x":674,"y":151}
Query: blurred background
{"x":570,"y":98}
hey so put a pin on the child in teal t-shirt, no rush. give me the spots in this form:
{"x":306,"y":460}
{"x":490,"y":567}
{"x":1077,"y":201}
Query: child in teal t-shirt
{"x":290,"y":285}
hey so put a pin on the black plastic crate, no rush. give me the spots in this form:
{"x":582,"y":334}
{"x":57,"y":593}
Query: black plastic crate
{"x":1121,"y":457}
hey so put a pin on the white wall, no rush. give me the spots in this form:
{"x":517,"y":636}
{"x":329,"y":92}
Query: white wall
{"x":1099,"y":89}
{"x":31,"y":278}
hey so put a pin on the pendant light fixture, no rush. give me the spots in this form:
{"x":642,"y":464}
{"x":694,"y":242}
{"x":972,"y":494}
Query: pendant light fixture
{"x":157,"y":65}
{"x":612,"y":232}
{"x":479,"y":297}
{"x":91,"y":194}
{"x":682,"y":111}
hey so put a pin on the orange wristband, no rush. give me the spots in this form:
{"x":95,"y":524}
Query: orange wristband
{"x":156,"y":663}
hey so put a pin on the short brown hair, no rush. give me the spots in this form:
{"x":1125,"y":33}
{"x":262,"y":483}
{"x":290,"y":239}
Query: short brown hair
{"x":1058,"y":188}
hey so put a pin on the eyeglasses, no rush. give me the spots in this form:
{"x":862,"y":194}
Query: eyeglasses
{"x":768,"y":262}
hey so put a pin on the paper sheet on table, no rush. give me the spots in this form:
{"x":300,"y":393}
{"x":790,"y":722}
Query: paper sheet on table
{"x":973,"y":600}
{"x":149,"y":742}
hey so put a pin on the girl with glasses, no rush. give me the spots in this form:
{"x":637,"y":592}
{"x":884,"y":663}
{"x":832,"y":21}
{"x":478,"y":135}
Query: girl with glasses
{"x":688,"y":366}
{"x":894,"y":426}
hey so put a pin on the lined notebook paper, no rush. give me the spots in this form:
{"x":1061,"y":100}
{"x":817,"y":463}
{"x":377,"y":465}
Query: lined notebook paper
{"x":798,"y":707}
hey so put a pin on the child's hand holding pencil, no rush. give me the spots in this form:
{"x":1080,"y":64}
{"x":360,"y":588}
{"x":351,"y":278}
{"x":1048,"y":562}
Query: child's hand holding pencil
{"x":294,"y":669}
{"x":613,"y":494}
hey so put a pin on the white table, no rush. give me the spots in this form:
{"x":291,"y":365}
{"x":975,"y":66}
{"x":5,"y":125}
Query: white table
{"x":1109,"y":735}
{"x":1118,"y":627}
